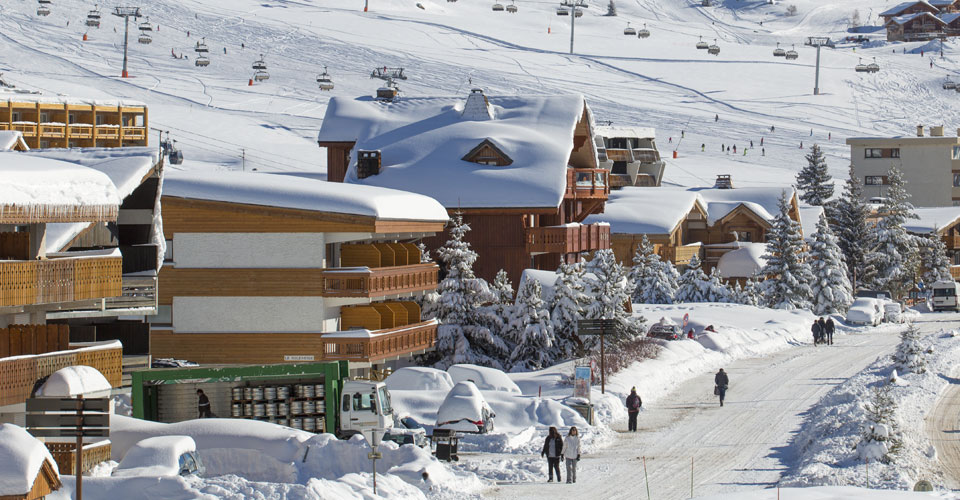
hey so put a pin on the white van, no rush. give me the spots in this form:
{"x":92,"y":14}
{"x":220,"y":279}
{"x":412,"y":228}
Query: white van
{"x":945,"y":295}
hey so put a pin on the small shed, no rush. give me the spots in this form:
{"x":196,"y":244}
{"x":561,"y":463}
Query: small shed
{"x":28,"y":470}
{"x":12,"y":140}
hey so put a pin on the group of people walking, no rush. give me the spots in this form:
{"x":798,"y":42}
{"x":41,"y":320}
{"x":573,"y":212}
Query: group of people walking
{"x":556,"y":447}
{"x":823,"y":331}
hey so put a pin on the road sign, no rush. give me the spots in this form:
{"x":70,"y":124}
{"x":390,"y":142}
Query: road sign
{"x":597,"y":326}
{"x":68,"y":420}
{"x":374,"y":455}
{"x":686,"y":319}
{"x":101,"y":405}
{"x":70,"y":432}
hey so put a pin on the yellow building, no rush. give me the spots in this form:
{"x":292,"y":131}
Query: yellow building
{"x":62,"y":122}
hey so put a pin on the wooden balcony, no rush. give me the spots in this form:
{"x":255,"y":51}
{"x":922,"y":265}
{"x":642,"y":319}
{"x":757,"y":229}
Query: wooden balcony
{"x":374,"y":346}
{"x":134,"y":133}
{"x":587,"y":183}
{"x":572,"y":238}
{"x":28,"y":129}
{"x":80,"y":130}
{"x":643,"y":155}
{"x":53,"y":130}
{"x":680,"y":255}
{"x":19,"y":375}
{"x":64,"y":279}
{"x":108,"y":131}
{"x":378,"y":281}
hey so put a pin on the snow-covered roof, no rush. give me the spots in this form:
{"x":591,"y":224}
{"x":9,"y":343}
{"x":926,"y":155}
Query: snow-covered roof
{"x":22,"y":455}
{"x":303,"y":194}
{"x":809,"y":216}
{"x":949,"y":18}
{"x":941,"y":3}
{"x":743,"y":262}
{"x":7,"y":95}
{"x":9,"y":139}
{"x":897,"y":9}
{"x":423,"y":140}
{"x":547,"y":279}
{"x":30,"y":180}
{"x":73,"y":381}
{"x":910,"y":17}
{"x":760,"y":200}
{"x":931,"y":218}
{"x":620,"y":131}
{"x":646,"y":210}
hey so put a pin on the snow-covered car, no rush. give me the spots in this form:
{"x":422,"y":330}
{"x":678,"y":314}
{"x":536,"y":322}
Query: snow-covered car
{"x":407,"y":431}
{"x":161,"y":456}
{"x":465,"y":410}
{"x":892,"y":312}
{"x":865,"y":311}
{"x":665,"y":331}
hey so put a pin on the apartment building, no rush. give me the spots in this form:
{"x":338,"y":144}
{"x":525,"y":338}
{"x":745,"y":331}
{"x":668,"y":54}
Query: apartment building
{"x":930,"y":165}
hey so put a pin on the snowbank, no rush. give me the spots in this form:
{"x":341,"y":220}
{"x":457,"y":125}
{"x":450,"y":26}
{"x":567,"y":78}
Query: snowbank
{"x":74,"y":380}
{"x":487,"y":379}
{"x":828,"y":493}
{"x":155,"y":456}
{"x":419,"y":378}
{"x":744,"y":262}
{"x":22,"y":455}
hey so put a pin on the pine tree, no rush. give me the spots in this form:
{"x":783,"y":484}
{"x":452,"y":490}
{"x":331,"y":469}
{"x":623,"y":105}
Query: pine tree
{"x":638,"y":270}
{"x":567,"y":306}
{"x":694,"y":284}
{"x":881,"y":440}
{"x":849,"y":215}
{"x":609,"y":291}
{"x":814,"y":181}
{"x":750,"y":294}
{"x":787,"y":285}
{"x":611,"y":9}
{"x":463,"y":335}
{"x":831,"y":289}
{"x":531,"y":330}
{"x":910,"y":354}
{"x":935,"y":262}
{"x":499,"y":311}
{"x":718,"y":291}
{"x":654,"y":279}
{"x":896,"y":253}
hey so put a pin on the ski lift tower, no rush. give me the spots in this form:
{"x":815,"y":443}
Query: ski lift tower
{"x":126,"y":13}
{"x":817,"y":41}
{"x":574,"y":6}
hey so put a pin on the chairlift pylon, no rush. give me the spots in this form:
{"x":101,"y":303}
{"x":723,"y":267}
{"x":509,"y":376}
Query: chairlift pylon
{"x":792,"y":54}
{"x":643,"y":32}
{"x":702,"y":45}
{"x":628,"y":31}
{"x":779,"y":52}
{"x":324,"y":81}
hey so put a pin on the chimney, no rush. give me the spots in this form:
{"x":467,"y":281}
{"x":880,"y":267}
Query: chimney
{"x":477,"y":107}
{"x":368,"y":163}
{"x":919,"y":130}
{"x":936,"y":131}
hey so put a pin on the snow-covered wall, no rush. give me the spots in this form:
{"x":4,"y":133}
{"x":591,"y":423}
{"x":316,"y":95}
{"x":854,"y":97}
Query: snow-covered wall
{"x":249,"y":314}
{"x":249,"y":250}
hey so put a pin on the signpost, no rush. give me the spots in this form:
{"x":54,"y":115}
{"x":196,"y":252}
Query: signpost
{"x":374,"y":437}
{"x":70,"y":417}
{"x":601,"y":327}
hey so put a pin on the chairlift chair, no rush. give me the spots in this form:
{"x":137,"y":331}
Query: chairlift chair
{"x":260,"y":64}
{"x":498,"y":7}
{"x":643,"y":32}
{"x":860,"y":67}
{"x":44,"y":2}
{"x":388,"y":92}
{"x":202,"y":61}
{"x":957,"y":89}
{"x":562,"y":11}
{"x":703,"y":45}
{"x":873,"y":67}
{"x":629,"y":31}
{"x":578,"y":12}
{"x":93,"y":17}
{"x":201,"y":47}
{"x":389,"y":74}
{"x":779,"y":52}
{"x":43,"y":11}
{"x":792,"y":54}
{"x":169,"y":148}
{"x":144,"y":38}
{"x":261,"y":75}
{"x":145,"y":25}
{"x":324,"y":81}
{"x":706,"y":3}
{"x":512,"y":8}
{"x":949,"y":84}
{"x":714,"y":49}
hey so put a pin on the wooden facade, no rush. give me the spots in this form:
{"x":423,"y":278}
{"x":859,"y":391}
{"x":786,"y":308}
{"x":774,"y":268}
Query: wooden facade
{"x":925,"y":26}
{"x":46,"y":482}
{"x":75,"y":124}
{"x":19,"y":375}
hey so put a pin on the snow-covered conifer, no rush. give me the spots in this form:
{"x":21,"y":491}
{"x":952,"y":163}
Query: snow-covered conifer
{"x":694,"y":285}
{"x":718,"y":291}
{"x":750,"y":295}
{"x":831,"y":289}
{"x":609,"y":291}
{"x":814,"y":181}
{"x":611,"y":8}
{"x":531,"y":330}
{"x":881,"y":439}
{"x":654,"y":280}
{"x":787,"y":283}
{"x":500,"y":309}
{"x":896,"y":253}
{"x":935,"y":262}
{"x":567,"y":306}
{"x":910,"y":354}
{"x":428,"y":302}
{"x":849,"y":216}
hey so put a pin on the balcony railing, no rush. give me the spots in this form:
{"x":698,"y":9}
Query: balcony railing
{"x":19,"y":375}
{"x":55,"y":130}
{"x":28,"y":129}
{"x":643,"y":155}
{"x":378,"y":345}
{"x":587,"y":183}
{"x":680,"y":255}
{"x":108,"y":131}
{"x":65,"y":279}
{"x":80,"y":130}
{"x":134,"y":133}
{"x":573,"y":238}
{"x":378,"y":281}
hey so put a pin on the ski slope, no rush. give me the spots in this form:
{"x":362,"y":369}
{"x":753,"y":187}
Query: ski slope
{"x":664,"y":81}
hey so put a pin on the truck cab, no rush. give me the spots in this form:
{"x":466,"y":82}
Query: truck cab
{"x":365,"y":405}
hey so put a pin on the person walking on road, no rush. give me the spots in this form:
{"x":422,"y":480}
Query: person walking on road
{"x":823,"y":330}
{"x":828,"y":328}
{"x":552,"y":449}
{"x":633,"y":409}
{"x":721,"y":382}
{"x":571,"y":454}
{"x":203,"y":405}
{"x":817,"y":331}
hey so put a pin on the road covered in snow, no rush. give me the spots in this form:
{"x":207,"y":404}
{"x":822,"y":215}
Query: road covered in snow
{"x":943,"y":427}
{"x":744,"y":445}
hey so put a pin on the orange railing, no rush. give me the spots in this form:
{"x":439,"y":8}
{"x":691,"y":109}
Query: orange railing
{"x":380,"y":344}
{"x":108,"y":131}
{"x":378,"y":281}
{"x":65,"y":279}
{"x":587,"y":183}
{"x":134,"y":133}
{"x":18,"y":375}
{"x":27,"y":129}
{"x":573,"y":238}
{"x":80,"y":130}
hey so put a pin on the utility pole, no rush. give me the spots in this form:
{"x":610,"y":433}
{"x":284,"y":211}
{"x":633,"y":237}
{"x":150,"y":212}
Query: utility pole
{"x":126,"y":13}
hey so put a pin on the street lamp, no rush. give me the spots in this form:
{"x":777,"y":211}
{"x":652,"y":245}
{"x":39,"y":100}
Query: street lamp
{"x":126,"y":13}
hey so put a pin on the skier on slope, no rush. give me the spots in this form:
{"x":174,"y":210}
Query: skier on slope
{"x":817,"y":331}
{"x":721,"y":382}
{"x":716,"y":118}
{"x":633,"y":409}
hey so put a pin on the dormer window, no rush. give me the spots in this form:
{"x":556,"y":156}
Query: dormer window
{"x":487,"y":153}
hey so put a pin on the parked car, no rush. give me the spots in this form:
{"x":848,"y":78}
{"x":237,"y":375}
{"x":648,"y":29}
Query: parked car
{"x":865,"y":311}
{"x":665,"y":331}
{"x":465,"y":410}
{"x":161,"y":456}
{"x":892,"y":312}
{"x":945,"y":295}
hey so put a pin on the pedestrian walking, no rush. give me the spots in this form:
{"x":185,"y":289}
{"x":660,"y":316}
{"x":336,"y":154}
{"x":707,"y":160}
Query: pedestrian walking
{"x":203,"y":405}
{"x":716,"y":118}
{"x":801,"y":144}
{"x":761,"y":141}
{"x":552,"y":449}
{"x":721,"y":382}
{"x":571,"y":454}
{"x":734,"y":149}
{"x":634,"y":403}
{"x":829,"y":328}
{"x":816,"y":331}
{"x":723,"y":148}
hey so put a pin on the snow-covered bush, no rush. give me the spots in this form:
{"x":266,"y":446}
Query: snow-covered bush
{"x":788,"y":277}
{"x":501,"y":309}
{"x":880,"y":441}
{"x":618,"y":357}
{"x":718,"y":291}
{"x":611,"y":9}
{"x":909,"y":357}
{"x":831,"y":289}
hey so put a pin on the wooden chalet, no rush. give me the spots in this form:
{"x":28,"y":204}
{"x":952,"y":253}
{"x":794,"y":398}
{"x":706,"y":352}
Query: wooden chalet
{"x":946,"y":6}
{"x":908,"y":8}
{"x":916,"y":26}
{"x":945,"y":222}
{"x":522,"y":170}
{"x":269,"y":268}
{"x":28,"y":471}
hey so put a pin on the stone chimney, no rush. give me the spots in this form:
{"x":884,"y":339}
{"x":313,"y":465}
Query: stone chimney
{"x":936,"y":131}
{"x":919,"y":130}
{"x":477,"y":107}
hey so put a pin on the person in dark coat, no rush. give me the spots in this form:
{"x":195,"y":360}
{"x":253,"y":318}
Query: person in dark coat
{"x":633,"y":409}
{"x":823,"y":330}
{"x":553,"y":449}
{"x":721,"y":381}
{"x":203,"y":405}
{"x":815,"y":329}
{"x":829,"y":328}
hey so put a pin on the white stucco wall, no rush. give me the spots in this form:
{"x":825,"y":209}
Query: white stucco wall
{"x":249,"y":250}
{"x":249,"y":314}
{"x":927,"y":170}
